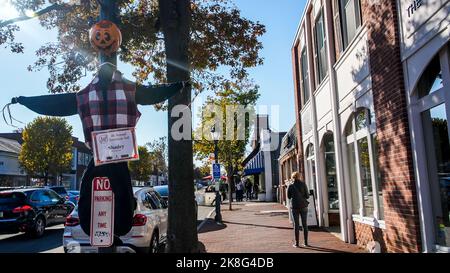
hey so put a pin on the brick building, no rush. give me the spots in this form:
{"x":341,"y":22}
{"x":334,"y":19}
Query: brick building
{"x":371,"y":80}
{"x":287,"y":162}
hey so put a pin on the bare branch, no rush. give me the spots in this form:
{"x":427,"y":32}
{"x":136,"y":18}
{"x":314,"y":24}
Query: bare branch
{"x":36,"y":14}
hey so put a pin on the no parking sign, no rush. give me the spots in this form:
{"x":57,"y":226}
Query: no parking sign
{"x":102,"y":213}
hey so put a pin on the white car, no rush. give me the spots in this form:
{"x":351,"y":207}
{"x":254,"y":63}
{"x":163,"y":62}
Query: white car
{"x":149,"y":229}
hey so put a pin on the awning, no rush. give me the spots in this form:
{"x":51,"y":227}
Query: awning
{"x":255,"y":165}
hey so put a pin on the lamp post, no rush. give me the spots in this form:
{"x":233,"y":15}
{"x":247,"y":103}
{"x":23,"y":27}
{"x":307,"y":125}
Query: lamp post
{"x":215,"y":136}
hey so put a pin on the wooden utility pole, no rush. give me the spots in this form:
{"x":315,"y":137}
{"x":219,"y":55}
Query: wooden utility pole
{"x":109,"y":11}
{"x":175,"y":17}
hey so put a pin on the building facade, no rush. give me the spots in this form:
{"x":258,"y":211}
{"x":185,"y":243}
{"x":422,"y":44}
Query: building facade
{"x":261,"y":165}
{"x":360,"y":124}
{"x":424,"y":30}
{"x":11,"y":175}
{"x":287,"y":163}
{"x":81,"y":156}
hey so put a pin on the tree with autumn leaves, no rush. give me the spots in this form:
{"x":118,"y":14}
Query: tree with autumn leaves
{"x":219,"y":37}
{"x":232,"y":113}
{"x":47,"y":148}
{"x":152,"y":161}
{"x":165,"y":41}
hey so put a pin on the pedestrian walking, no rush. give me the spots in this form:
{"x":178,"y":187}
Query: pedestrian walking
{"x":255,"y":190}
{"x":240,"y":191}
{"x":298,"y":194}
{"x":248,"y":189}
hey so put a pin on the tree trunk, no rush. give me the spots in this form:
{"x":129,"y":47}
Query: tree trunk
{"x":175,"y":16}
{"x":46,"y":179}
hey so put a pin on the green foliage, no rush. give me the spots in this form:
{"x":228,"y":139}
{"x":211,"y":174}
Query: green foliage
{"x":231,"y":148}
{"x":47,"y":147}
{"x":158,"y":155}
{"x":142,"y":169}
{"x":220,"y":36}
{"x":202,"y":171}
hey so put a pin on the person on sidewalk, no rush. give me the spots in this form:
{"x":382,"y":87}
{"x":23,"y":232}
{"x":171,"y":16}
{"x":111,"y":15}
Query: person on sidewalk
{"x":255,"y":190}
{"x":298,"y":194}
{"x":240,"y":191}
{"x":248,"y":189}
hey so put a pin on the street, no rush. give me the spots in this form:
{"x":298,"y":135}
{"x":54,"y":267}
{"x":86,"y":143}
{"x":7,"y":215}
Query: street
{"x":51,"y":242}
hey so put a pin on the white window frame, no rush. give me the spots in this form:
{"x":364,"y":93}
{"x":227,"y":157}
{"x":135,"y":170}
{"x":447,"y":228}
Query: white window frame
{"x":420,"y":105}
{"x":367,"y":132}
{"x":346,"y":41}
{"x":317,"y":57}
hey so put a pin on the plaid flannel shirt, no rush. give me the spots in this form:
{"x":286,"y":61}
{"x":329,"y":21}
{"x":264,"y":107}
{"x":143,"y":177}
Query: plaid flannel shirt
{"x":119,"y":111}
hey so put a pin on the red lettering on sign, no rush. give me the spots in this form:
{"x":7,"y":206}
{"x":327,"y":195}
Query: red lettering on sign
{"x":101,"y":213}
{"x":102,"y":225}
{"x":102,"y":184}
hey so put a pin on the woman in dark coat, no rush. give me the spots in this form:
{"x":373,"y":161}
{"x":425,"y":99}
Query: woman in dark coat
{"x":298,"y":194}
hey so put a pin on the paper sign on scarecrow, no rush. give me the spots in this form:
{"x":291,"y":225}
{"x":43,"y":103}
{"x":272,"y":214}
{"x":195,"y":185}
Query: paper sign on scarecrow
{"x":108,"y":111}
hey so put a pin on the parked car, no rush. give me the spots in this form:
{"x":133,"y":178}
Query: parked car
{"x":31,"y":210}
{"x":61,"y":191}
{"x":74,"y":196}
{"x":163,"y":191}
{"x":149,"y":229}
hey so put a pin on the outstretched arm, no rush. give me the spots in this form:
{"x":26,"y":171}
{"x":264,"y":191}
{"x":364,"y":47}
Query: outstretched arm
{"x":153,"y":94}
{"x":61,"y":105}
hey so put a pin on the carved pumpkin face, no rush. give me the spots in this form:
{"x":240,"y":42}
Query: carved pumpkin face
{"x":105,"y":36}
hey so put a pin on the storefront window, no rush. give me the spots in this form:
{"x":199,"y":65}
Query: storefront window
{"x":366,"y":180}
{"x":435,"y":124}
{"x":353,"y":178}
{"x":330,"y":171}
{"x":363,"y":166}
{"x":378,"y":178}
{"x":311,"y":165}
{"x":431,"y":80}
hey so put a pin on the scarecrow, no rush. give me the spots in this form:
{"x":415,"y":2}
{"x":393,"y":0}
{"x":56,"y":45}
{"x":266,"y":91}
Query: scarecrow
{"x":108,"y":102}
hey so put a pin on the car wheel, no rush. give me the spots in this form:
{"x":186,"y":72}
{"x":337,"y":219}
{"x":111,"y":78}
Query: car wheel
{"x":39,"y":227}
{"x":154,"y":243}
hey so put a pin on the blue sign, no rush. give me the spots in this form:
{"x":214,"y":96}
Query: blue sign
{"x":216,"y":171}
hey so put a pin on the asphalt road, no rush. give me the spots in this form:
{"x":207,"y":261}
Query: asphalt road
{"x":51,"y":242}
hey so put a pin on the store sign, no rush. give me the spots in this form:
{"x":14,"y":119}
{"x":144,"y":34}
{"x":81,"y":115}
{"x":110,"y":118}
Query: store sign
{"x":102,"y":213}
{"x":413,"y":7}
{"x":113,"y":146}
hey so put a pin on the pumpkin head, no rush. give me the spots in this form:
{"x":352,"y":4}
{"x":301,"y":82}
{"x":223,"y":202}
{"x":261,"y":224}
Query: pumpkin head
{"x":105,"y":37}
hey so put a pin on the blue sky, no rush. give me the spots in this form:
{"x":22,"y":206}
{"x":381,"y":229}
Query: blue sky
{"x":274,"y":77}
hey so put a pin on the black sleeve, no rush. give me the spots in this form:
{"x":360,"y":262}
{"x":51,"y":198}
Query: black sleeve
{"x":154,"y":94}
{"x":61,"y":105}
{"x":306,"y":191}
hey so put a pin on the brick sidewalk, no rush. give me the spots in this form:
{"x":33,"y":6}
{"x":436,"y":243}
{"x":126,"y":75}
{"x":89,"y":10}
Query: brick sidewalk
{"x":263,"y":228}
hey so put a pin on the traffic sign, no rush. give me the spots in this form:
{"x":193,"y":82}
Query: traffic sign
{"x":102,"y":213}
{"x":216,"y":171}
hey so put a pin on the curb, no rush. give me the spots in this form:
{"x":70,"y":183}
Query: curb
{"x":206,"y":219}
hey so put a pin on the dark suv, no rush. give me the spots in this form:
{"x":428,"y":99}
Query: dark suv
{"x":31,"y":210}
{"x":61,"y":191}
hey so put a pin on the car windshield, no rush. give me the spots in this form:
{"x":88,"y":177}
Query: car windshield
{"x":60,"y":190}
{"x":11,"y":197}
{"x":162,"y":190}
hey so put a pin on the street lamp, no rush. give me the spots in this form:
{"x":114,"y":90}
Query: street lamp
{"x":215,"y":136}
